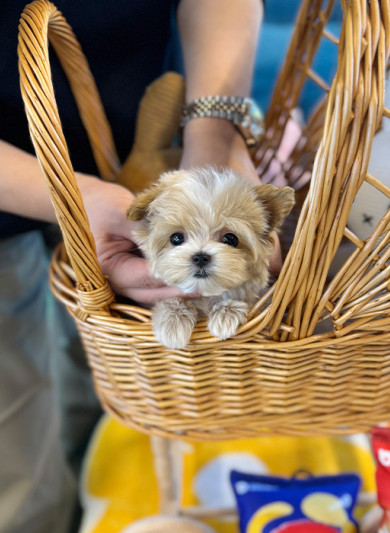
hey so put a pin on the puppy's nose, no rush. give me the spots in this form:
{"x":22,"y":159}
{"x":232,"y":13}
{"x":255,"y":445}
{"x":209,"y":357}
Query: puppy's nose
{"x":201,"y":259}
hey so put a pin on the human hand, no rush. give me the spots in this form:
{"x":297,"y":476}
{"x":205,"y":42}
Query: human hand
{"x":106,"y":205}
{"x":209,"y":141}
{"x":275,"y":172}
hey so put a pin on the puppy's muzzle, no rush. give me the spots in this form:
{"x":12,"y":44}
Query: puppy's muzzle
{"x":201,"y":260}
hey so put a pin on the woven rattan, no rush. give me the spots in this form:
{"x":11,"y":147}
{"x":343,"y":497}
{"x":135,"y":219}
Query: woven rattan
{"x":314,"y":356}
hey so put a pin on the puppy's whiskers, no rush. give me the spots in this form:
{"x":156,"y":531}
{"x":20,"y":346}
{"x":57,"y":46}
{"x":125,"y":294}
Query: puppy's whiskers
{"x":202,"y":273}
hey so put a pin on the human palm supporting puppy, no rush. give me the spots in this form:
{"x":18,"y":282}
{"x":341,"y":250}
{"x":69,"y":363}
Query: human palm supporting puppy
{"x":207,"y":231}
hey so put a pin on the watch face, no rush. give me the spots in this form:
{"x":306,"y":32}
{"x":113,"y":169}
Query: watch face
{"x":251,"y":125}
{"x":255,"y":111}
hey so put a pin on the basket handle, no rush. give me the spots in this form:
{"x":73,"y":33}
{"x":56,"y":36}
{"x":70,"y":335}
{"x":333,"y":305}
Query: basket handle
{"x":40,"y":22}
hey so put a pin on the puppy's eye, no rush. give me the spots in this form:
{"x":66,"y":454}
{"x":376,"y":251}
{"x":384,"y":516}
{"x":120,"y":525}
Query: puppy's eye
{"x":230,"y":239}
{"x":176,"y":238}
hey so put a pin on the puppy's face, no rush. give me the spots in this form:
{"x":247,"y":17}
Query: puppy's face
{"x":208,"y":231}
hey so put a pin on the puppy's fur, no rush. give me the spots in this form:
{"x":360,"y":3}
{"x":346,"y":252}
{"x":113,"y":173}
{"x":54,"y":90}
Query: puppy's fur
{"x":207,"y":231}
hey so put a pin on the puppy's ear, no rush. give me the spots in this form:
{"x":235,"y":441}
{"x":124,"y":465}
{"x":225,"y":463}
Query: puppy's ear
{"x":138,"y":209}
{"x":277,"y":201}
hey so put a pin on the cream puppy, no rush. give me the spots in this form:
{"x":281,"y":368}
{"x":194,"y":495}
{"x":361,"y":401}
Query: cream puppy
{"x":207,"y":231}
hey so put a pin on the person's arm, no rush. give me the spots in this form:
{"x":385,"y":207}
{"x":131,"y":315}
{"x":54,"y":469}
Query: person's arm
{"x":219,"y":40}
{"x":24,"y":192}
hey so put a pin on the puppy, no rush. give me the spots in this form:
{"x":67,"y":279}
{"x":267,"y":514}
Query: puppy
{"x":207,"y":231}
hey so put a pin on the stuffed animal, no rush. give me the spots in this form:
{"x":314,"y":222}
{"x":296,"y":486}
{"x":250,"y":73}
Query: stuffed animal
{"x":157,"y":127}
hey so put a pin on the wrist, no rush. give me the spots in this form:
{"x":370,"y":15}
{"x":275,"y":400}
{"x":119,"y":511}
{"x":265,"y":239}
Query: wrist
{"x":216,"y":142}
{"x":102,"y":197}
{"x":92,"y":186}
{"x":214,"y":138}
{"x":198,"y":127}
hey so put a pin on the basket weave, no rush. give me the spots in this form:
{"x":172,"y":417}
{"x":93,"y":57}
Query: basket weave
{"x":280,"y":373}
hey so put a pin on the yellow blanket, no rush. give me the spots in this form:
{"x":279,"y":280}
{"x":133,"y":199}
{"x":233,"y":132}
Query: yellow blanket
{"x":119,"y":485}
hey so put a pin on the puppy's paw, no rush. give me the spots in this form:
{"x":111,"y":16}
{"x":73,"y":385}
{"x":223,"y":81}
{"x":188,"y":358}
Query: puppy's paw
{"x":173,"y":321}
{"x":225,"y":317}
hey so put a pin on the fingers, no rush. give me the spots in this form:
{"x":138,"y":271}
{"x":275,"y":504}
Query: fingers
{"x":275,"y":263}
{"x":127,"y":270}
{"x":152,"y":296}
{"x":129,"y":276}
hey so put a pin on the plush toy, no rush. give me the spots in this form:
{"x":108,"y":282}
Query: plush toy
{"x":313,"y":504}
{"x":157,"y":127}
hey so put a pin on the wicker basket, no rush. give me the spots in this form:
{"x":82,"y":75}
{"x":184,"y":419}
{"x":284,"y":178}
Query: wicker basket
{"x":280,"y":373}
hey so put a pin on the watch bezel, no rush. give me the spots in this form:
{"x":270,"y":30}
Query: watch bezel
{"x":251,"y":124}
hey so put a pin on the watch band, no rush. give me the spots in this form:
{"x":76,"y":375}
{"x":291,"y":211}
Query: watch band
{"x":240,"y":110}
{"x":227,"y":107}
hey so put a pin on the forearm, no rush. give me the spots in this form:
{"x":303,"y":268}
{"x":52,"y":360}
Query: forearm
{"x":219,"y":40}
{"x":23,"y":190}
